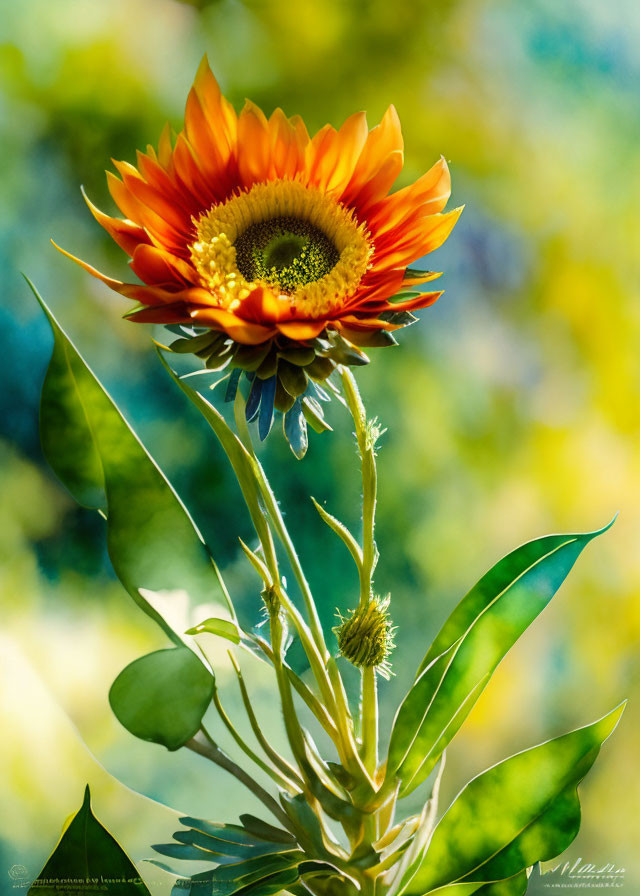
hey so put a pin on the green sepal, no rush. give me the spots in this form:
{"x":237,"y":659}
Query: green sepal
{"x":295,"y":430}
{"x":301,"y":356}
{"x":342,"y":351}
{"x":195,"y":344}
{"x":283,"y":401}
{"x":320,"y":368}
{"x":314,"y":415}
{"x":404,"y":296}
{"x":250,"y":357}
{"x":401,"y":318}
{"x":293,"y":378}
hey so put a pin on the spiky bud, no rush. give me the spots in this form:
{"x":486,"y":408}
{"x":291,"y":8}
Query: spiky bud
{"x":365,"y":638}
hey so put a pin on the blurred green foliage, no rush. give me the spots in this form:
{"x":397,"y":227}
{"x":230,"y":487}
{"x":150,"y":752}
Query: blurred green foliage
{"x":511,"y":407}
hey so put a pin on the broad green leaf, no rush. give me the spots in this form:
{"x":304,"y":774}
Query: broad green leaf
{"x":406,"y":867}
{"x":473,"y":641}
{"x":163,"y":696}
{"x":513,"y":886}
{"x":153,"y":543}
{"x":244,"y":466}
{"x":86,"y":853}
{"x":499,"y":579}
{"x":519,"y":812}
{"x":224,"y":628}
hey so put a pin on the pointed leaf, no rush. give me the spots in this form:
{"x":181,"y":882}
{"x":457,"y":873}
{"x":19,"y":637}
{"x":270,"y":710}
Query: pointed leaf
{"x":473,"y":641}
{"x":224,"y":628}
{"x":86,"y":853}
{"x":153,"y":543}
{"x":515,"y":813}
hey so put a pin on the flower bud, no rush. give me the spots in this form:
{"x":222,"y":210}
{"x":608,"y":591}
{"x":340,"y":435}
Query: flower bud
{"x":365,"y":638}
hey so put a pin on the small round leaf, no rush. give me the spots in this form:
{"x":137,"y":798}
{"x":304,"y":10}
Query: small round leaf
{"x":162,"y":697}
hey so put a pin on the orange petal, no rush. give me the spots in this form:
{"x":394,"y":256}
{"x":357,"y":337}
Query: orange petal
{"x":254,"y":145}
{"x":336,"y":153}
{"x":262,"y":306}
{"x":220,"y":114}
{"x":177,"y":313}
{"x":363,"y":324}
{"x":428,"y":195}
{"x":147,"y":295}
{"x":302,"y":329}
{"x":155,"y":266}
{"x":189,"y":172}
{"x":239,"y":330}
{"x":164,"y":207}
{"x":289,"y":141}
{"x":381,"y":182}
{"x":165,"y":151}
{"x":429,"y":234}
{"x":382,"y":141}
{"x":416,"y":280}
{"x":126,"y":234}
{"x":422,"y":301}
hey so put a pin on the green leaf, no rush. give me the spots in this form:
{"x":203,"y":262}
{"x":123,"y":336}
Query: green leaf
{"x":513,"y":886}
{"x":521,"y":811}
{"x":243,"y":464}
{"x":153,"y":543}
{"x":471,"y":644}
{"x":86,"y":853}
{"x":265,"y":831}
{"x":163,"y":696}
{"x":224,"y":628}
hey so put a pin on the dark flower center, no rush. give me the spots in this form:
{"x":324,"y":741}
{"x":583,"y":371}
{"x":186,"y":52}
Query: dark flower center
{"x":285,"y":252}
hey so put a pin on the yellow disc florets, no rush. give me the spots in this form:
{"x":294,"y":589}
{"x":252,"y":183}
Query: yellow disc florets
{"x":365,"y":638}
{"x":308,"y":248}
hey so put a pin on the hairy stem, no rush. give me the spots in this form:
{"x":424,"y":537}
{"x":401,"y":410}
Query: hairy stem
{"x":366,"y":436}
{"x":370,"y":720}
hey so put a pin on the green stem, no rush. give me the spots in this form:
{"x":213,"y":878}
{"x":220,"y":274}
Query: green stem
{"x":314,"y":704}
{"x":287,"y":770}
{"x":366,"y":436}
{"x":366,"y":448}
{"x":370,"y":720}
{"x":246,"y":749}
{"x":206,"y":746}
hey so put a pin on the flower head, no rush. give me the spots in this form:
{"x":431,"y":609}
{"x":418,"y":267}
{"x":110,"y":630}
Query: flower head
{"x":366,"y":636}
{"x":277,"y":253}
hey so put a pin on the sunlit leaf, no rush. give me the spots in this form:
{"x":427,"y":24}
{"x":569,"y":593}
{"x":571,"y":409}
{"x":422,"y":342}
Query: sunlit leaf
{"x":475,"y":638}
{"x":88,"y":853}
{"x":521,"y":811}
{"x":153,"y":542}
{"x":224,"y":628}
{"x":163,"y":696}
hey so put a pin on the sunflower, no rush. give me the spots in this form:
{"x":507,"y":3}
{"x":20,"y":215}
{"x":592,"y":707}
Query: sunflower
{"x":273,"y":252}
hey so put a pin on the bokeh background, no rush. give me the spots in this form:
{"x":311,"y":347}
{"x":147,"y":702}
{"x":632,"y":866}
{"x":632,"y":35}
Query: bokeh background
{"x":512,"y":407}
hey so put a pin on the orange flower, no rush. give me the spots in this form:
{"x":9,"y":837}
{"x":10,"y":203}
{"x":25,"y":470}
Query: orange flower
{"x":279,"y":253}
